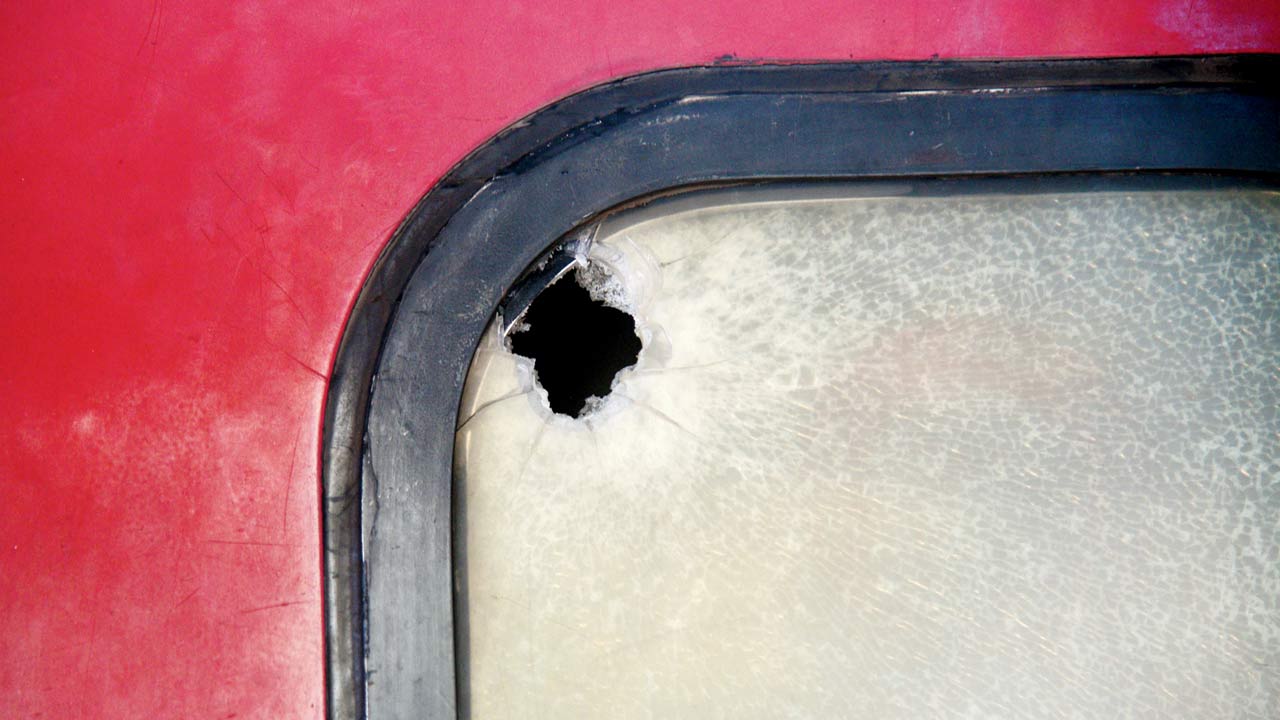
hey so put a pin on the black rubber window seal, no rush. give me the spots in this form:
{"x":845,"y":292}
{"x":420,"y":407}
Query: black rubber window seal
{"x":395,"y":387}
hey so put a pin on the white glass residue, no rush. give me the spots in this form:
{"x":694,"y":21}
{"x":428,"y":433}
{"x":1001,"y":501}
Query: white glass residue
{"x":972,"y":456}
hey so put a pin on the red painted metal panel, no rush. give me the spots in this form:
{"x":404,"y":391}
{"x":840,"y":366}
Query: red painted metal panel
{"x":192,"y":195}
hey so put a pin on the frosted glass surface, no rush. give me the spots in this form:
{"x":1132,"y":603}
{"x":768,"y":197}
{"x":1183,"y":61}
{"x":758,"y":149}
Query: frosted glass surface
{"x":896,"y":457}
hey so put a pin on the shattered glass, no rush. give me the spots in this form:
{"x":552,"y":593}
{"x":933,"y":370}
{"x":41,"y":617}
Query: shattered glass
{"x":893,"y":454}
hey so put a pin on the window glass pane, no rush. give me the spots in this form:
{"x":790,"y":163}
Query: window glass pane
{"x":893,"y":454}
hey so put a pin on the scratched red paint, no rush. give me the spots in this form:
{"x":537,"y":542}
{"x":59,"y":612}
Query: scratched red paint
{"x":192,"y":195}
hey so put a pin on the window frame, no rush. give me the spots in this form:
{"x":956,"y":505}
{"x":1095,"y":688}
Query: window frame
{"x":390,"y":508}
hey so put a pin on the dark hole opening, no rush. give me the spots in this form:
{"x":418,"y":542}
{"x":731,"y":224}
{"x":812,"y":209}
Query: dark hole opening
{"x":577,"y":344}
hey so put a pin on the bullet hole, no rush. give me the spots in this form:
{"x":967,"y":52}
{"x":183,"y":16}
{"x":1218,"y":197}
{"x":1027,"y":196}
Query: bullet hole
{"x":578,"y":345}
